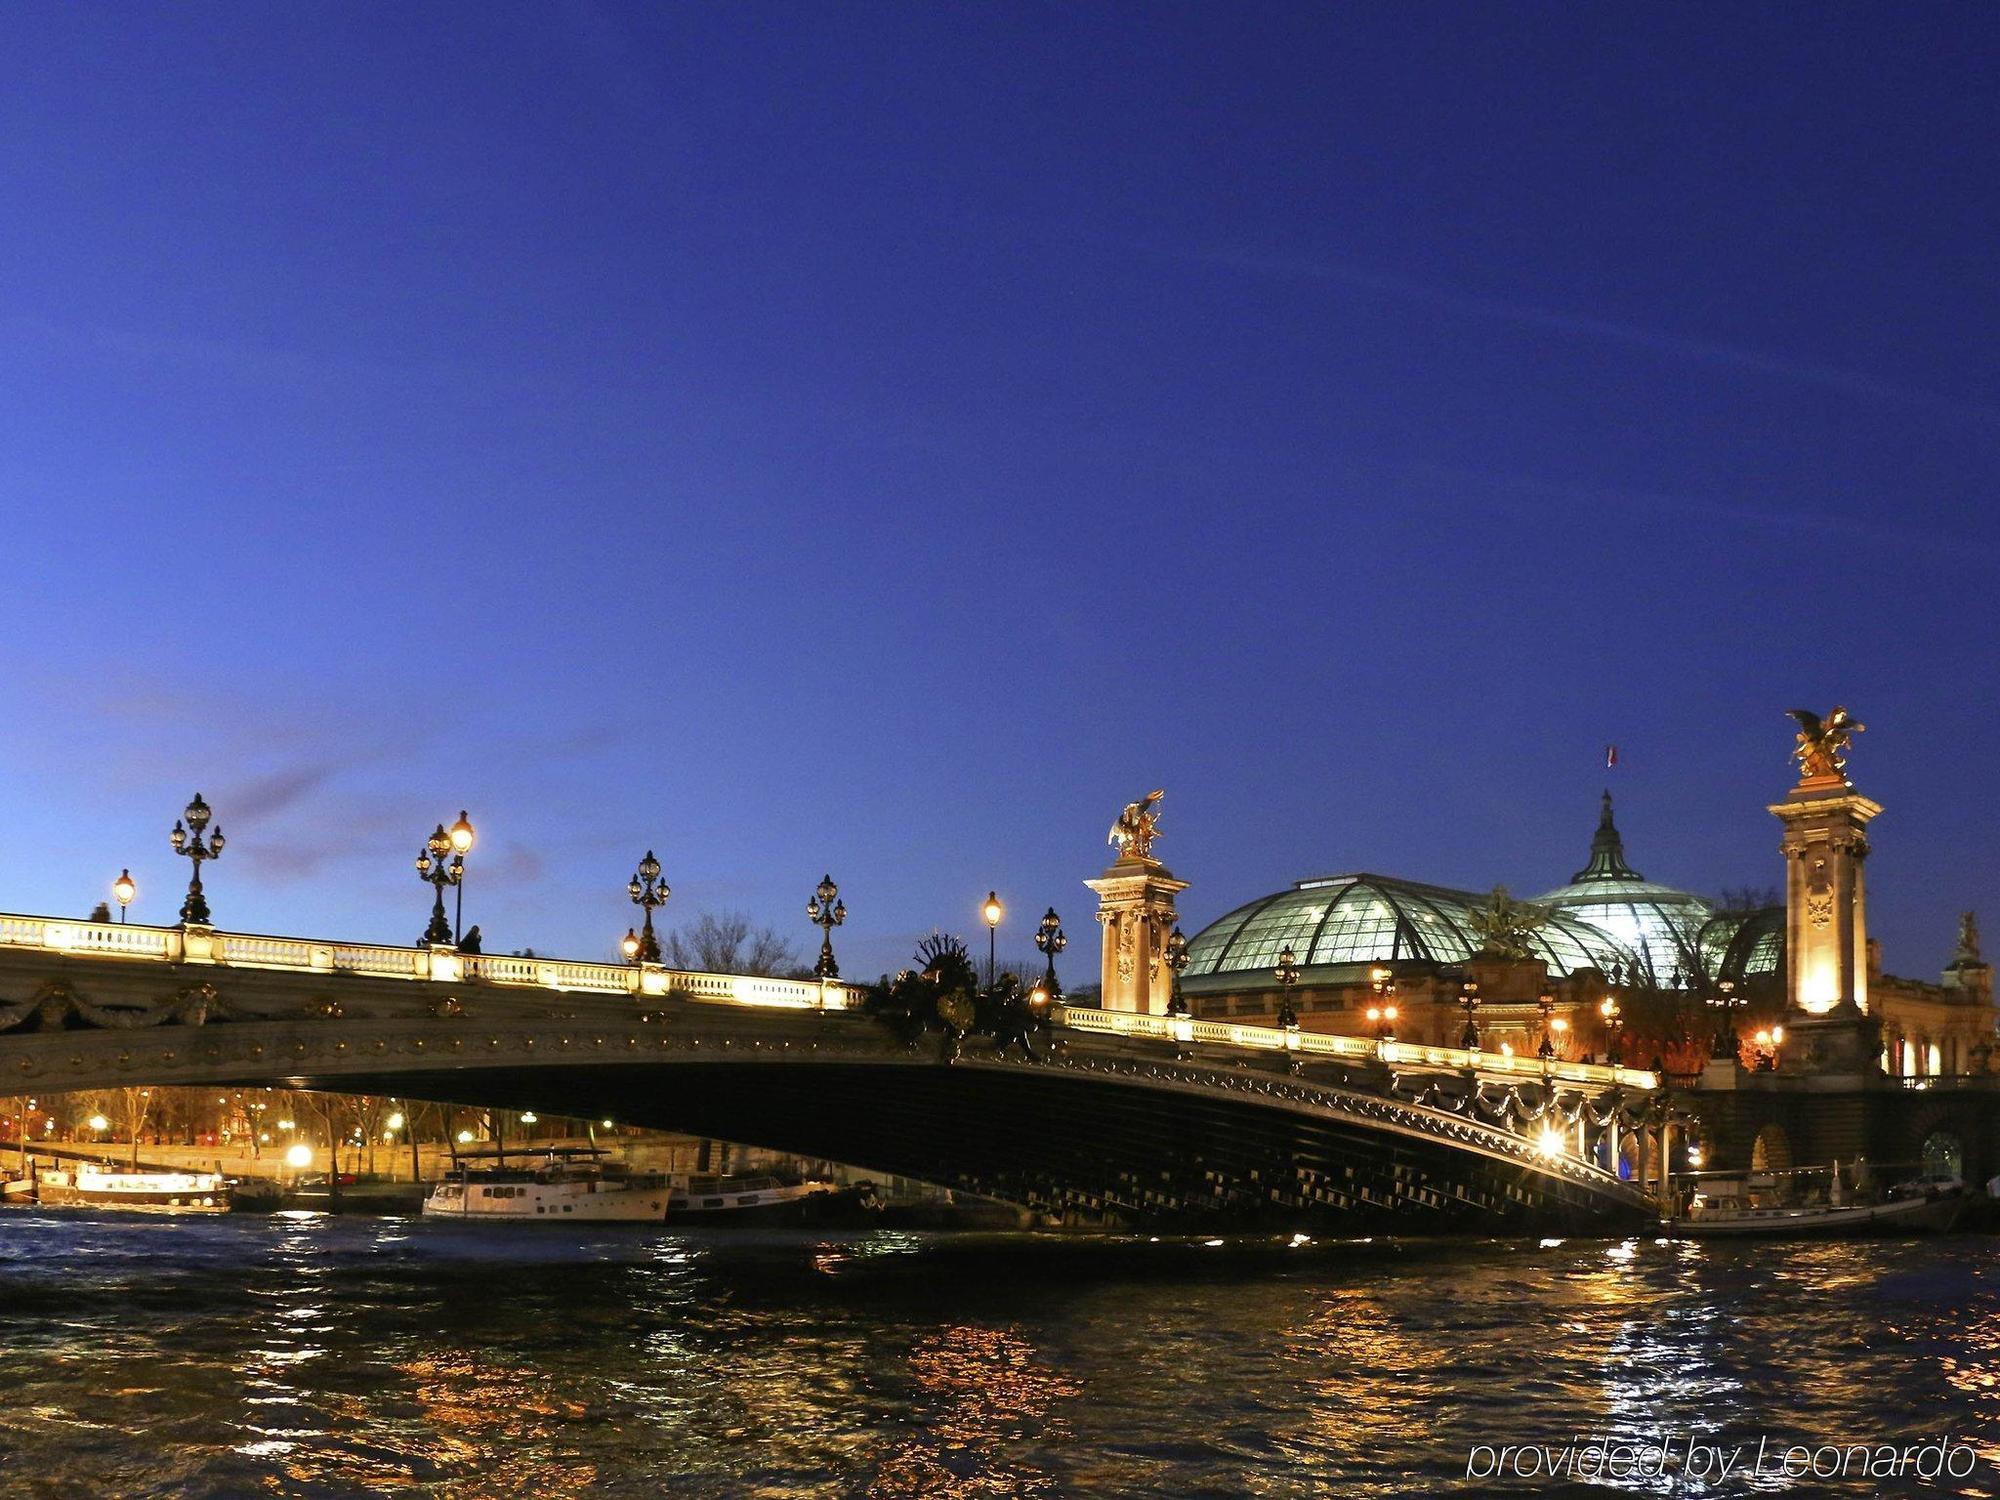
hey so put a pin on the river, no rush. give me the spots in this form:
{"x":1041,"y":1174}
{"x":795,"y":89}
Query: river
{"x":313,"y":1356}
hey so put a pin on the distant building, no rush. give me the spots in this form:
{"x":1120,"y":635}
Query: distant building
{"x":1365,"y":940}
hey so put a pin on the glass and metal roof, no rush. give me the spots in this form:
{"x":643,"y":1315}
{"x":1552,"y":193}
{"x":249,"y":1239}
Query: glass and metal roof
{"x":1744,"y":945}
{"x":1660,"y":925}
{"x":1365,"y":919}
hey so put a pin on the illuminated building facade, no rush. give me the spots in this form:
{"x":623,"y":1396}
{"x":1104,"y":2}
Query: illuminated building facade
{"x":1365,"y":942}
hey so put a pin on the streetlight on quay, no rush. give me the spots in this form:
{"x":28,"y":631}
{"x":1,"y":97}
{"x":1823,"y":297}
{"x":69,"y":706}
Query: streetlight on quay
{"x":1383,"y":1012}
{"x":1546,"y":1004}
{"x":1614,"y":1025}
{"x":647,"y":891}
{"x":122,"y":891}
{"x":826,"y":911}
{"x":189,"y":841}
{"x":1176,"y":956}
{"x":1726,"y":1002}
{"x":1287,"y":974}
{"x":1051,"y":939}
{"x":462,"y":839}
{"x":1468,"y":1000}
{"x":992,"y":911}
{"x":438,"y":867}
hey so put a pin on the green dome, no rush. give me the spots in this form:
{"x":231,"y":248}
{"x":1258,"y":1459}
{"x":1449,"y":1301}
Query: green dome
{"x":1369,"y":919}
{"x":1658,"y":924}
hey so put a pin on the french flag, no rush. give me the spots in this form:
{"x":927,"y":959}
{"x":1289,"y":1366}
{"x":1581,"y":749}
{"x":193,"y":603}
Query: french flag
{"x":1610,"y":756}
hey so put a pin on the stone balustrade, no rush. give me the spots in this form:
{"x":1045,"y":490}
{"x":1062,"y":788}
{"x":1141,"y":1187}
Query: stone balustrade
{"x":1496,"y":1065}
{"x":240,"y":950}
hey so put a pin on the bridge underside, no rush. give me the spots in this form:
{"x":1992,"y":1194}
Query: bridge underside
{"x":1087,"y":1148}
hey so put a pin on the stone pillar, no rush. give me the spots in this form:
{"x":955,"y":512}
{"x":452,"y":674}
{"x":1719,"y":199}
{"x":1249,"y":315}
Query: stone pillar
{"x":1826,"y":905}
{"x":1135,"y":907}
{"x":1826,"y":932}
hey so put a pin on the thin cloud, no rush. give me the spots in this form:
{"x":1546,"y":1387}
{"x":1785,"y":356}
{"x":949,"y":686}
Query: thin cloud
{"x":1525,"y":314}
{"x":279,"y":790}
{"x":1863,"y":532}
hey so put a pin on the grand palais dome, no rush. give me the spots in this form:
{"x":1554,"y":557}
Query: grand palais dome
{"x":1608,"y":918}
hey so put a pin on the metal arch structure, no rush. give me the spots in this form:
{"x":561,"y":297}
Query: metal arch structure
{"x":1142,"y":1121}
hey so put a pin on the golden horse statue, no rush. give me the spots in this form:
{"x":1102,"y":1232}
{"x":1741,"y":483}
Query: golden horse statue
{"x":1133,"y":834}
{"x":1822,"y":742}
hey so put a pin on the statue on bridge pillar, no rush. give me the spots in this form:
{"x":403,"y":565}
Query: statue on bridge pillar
{"x":1135,"y":907}
{"x":1825,"y":845}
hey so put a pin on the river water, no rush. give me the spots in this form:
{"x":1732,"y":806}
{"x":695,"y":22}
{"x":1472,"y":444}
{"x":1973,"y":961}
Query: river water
{"x":303,"y":1355}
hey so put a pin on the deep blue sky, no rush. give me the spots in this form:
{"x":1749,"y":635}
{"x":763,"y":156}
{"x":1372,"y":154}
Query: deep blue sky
{"x":886,"y":439}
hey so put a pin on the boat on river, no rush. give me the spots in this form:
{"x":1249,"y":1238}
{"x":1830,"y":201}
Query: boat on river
{"x":1768,"y":1206}
{"x":88,"y":1185}
{"x":719,"y":1201}
{"x":559,"y":1189}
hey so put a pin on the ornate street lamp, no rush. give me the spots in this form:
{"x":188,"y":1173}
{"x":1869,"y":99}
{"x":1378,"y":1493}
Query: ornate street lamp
{"x":1287,"y":974}
{"x":827,"y":911}
{"x":1468,"y":1001}
{"x":1725,"y":1000}
{"x":189,"y":841}
{"x":992,"y":911}
{"x":1383,"y":1012}
{"x":462,"y":839}
{"x":122,"y":891}
{"x":438,"y":867}
{"x":647,"y":890}
{"x":1051,"y":940}
{"x":1614,"y":1024}
{"x":629,"y":945}
{"x":1177,"y":962}
{"x":1546,"y":1004}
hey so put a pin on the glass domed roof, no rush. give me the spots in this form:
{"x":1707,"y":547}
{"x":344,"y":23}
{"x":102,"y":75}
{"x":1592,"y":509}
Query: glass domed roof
{"x":1365,"y":919}
{"x":1745,"y":945}
{"x":1660,"y":925}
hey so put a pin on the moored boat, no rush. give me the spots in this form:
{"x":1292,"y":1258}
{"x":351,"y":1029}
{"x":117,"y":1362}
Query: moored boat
{"x":88,"y":1185}
{"x":559,"y":1190}
{"x":745,"y":1200}
{"x":1720,"y":1210}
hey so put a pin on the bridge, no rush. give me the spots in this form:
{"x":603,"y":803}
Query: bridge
{"x":1145,"y":1121}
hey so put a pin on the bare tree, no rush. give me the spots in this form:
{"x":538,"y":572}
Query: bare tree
{"x":728,"y":944}
{"x":1749,"y":898}
{"x":134,"y":1104}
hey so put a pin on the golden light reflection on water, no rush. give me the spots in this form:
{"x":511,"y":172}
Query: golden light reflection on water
{"x":1976,"y":1373}
{"x":492,"y":1424}
{"x":1352,"y":1331}
{"x":989,"y":1394}
{"x":289,"y":1359}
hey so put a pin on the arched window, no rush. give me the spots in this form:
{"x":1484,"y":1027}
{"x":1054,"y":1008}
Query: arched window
{"x":1943,"y":1155}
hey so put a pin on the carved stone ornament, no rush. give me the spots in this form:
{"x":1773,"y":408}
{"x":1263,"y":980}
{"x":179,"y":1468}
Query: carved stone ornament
{"x":56,"y":1007}
{"x":1819,"y":894}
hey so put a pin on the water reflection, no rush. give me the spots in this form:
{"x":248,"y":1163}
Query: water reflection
{"x":326,"y":1356}
{"x":983,"y":1395}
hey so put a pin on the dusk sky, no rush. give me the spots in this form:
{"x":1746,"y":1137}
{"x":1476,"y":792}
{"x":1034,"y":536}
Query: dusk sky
{"x":885,"y":440}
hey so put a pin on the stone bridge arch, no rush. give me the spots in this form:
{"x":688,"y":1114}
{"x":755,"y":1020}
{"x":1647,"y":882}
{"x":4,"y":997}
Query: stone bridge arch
{"x":1124,"y":1118}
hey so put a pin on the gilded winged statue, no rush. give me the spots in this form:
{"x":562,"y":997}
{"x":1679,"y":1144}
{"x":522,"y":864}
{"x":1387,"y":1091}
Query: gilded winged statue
{"x":1506,"y":927}
{"x":1133,"y":834}
{"x":1822,"y":742}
